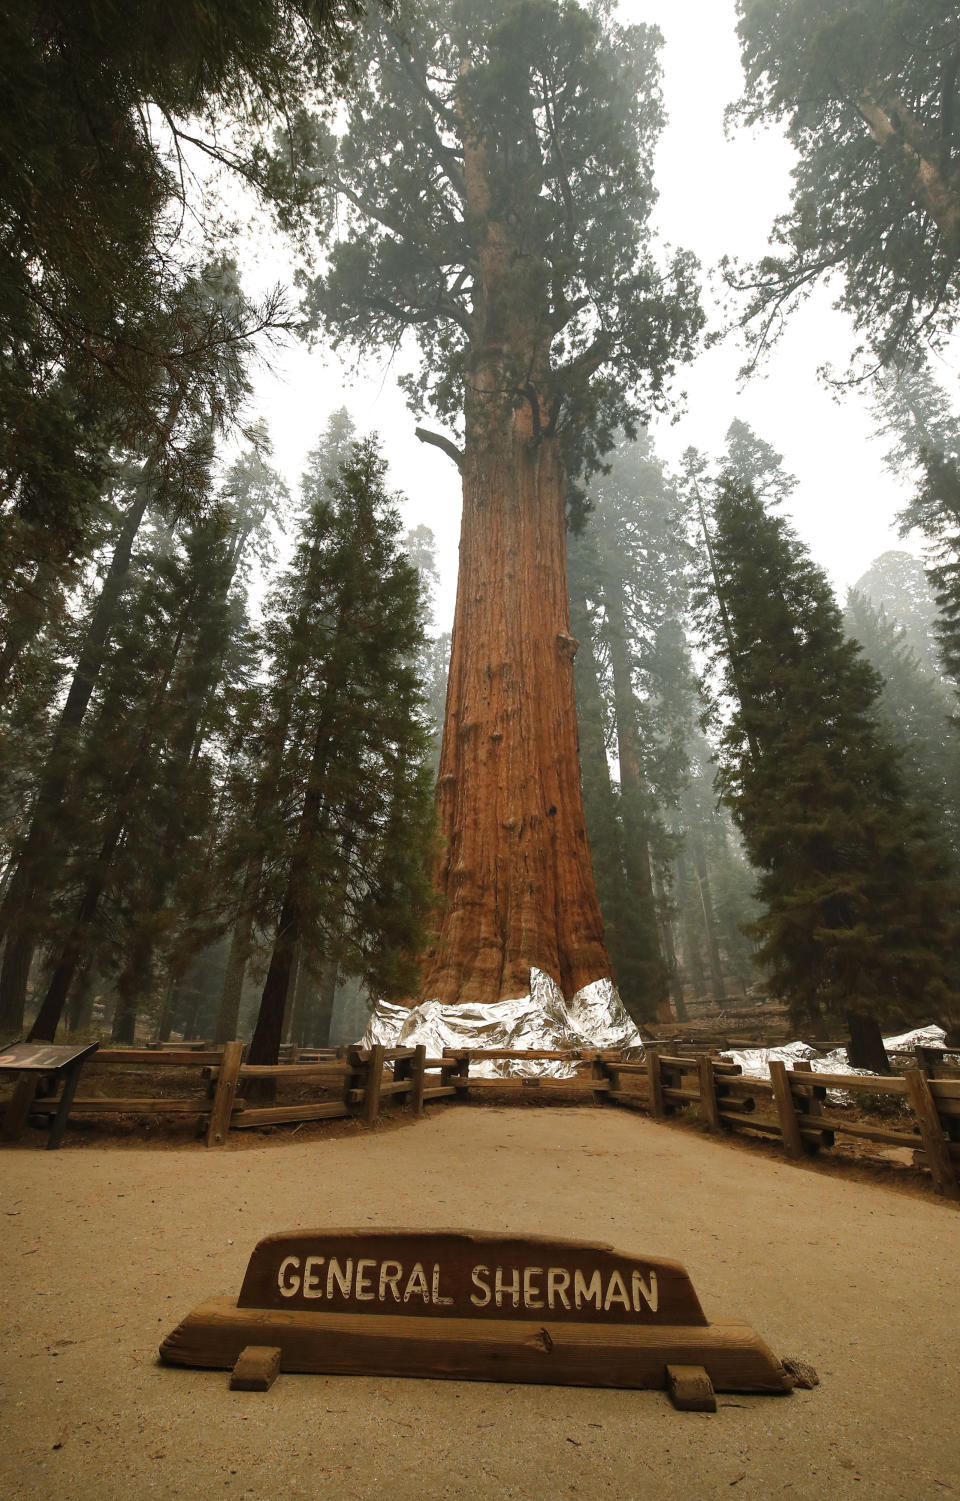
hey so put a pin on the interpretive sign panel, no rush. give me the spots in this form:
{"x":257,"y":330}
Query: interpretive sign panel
{"x":43,"y":1057}
{"x":454,"y":1303}
{"x":31,"y":1062}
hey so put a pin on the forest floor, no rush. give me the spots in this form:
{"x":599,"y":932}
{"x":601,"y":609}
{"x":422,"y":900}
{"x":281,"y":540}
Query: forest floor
{"x":103,"y":1251}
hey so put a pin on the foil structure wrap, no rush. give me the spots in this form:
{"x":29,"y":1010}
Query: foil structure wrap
{"x":539,"y":1021}
{"x":755,"y":1062}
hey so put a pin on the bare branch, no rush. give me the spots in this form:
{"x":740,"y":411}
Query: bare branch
{"x":446,"y":445}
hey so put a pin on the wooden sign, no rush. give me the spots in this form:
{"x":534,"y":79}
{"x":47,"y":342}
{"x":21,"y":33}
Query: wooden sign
{"x":43,"y":1057}
{"x":32,"y":1062}
{"x":474,"y":1306}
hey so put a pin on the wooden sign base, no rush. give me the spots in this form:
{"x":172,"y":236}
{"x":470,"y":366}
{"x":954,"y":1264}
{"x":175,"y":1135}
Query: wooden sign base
{"x":593,"y":1317}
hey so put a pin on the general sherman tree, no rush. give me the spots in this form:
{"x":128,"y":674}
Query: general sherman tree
{"x":493,"y":186}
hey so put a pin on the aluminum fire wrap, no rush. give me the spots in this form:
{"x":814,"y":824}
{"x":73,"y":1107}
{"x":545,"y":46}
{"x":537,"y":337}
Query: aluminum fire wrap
{"x":541,"y":1020}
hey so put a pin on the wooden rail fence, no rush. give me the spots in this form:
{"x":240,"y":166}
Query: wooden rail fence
{"x":791,"y":1106}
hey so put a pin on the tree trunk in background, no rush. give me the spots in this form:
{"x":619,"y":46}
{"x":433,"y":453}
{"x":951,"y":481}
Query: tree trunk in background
{"x":669,"y":949}
{"x":80,"y":1001}
{"x":689,"y":925}
{"x":268,"y":1033}
{"x":228,"y":1016}
{"x":515,"y":874}
{"x":39,"y":861}
{"x":634,"y":800}
{"x":709,"y":919}
{"x":865,"y":1048}
{"x":321,"y":1015}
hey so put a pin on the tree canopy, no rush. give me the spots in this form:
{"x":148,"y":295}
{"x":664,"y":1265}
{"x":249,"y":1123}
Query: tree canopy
{"x":869,"y":93}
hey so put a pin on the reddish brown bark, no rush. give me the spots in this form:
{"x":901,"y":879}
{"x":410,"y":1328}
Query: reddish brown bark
{"x":515,"y":873}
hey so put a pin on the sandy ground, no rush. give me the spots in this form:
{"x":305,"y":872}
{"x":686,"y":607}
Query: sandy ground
{"x":103,"y":1251}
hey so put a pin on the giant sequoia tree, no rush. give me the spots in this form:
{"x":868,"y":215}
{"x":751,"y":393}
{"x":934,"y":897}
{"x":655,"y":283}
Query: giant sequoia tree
{"x":492,"y":190}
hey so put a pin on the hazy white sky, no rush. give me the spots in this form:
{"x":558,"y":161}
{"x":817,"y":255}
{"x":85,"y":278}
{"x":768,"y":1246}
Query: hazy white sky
{"x":717,"y":196}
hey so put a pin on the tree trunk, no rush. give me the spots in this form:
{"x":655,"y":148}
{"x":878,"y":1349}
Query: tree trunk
{"x":709,"y":918}
{"x":39,"y":863}
{"x":515,"y":874}
{"x":80,"y":1002}
{"x":865,"y":1048}
{"x":228,"y":1016}
{"x":268,"y":1033}
{"x":321,"y":1014}
{"x":634,"y":800}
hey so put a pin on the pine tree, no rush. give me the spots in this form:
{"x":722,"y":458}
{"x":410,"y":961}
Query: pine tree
{"x":344,"y":744}
{"x":858,"y":914}
{"x":914,"y":711}
{"x":896,"y":585}
{"x":917,"y":413}
{"x":868,"y":92}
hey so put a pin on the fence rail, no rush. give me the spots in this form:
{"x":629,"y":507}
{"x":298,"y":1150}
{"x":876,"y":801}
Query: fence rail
{"x":791,"y":1106}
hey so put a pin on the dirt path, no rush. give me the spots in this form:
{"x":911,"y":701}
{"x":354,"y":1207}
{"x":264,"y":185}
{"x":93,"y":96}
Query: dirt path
{"x":103,"y":1251}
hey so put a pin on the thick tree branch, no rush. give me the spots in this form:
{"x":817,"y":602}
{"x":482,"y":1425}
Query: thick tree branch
{"x":446,"y":445}
{"x":896,"y":124}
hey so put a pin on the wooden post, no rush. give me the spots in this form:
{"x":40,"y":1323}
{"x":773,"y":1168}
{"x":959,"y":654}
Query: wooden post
{"x":226,"y":1093}
{"x":460,"y":1076}
{"x":708,"y":1092}
{"x":786,"y":1110}
{"x":657,"y":1107}
{"x":18,"y":1106}
{"x":401,"y":1071}
{"x":924,"y":1107}
{"x":418,"y":1077}
{"x":598,"y":1070}
{"x":814,"y":1106}
{"x":59,"y":1123}
{"x":371,"y":1098}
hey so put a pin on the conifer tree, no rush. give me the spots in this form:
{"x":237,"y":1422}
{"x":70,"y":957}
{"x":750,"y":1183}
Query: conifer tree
{"x":916,"y":412}
{"x":868,"y":92}
{"x":914,"y":711}
{"x":858,"y":915}
{"x":144,"y":778}
{"x":896,"y":586}
{"x":172,"y":475}
{"x":344,"y":847}
{"x":493,"y":188}
{"x":630,"y":568}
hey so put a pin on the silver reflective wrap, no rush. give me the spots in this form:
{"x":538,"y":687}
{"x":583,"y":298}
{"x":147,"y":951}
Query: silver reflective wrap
{"x":755,"y":1062}
{"x":540,"y":1021}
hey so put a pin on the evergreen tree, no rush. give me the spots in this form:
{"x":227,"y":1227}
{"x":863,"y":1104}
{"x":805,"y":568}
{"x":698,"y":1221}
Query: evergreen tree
{"x":896,"y":586}
{"x":171,"y":475}
{"x":858,"y":914}
{"x":493,"y":189}
{"x":869,"y":94}
{"x":630,"y":571}
{"x":343,"y":749}
{"x":144,"y":777}
{"x":914,"y":712}
{"x":916,"y":412}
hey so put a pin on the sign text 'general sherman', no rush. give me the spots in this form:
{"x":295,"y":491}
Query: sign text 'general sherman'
{"x":457,"y":1275}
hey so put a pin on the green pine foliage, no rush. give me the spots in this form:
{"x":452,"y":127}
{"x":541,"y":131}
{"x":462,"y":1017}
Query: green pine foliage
{"x":858,"y":912}
{"x":566,"y":103}
{"x":914,"y":710}
{"x":868,"y":92}
{"x":341,"y":743}
{"x":896,"y":586}
{"x":916,"y":412}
